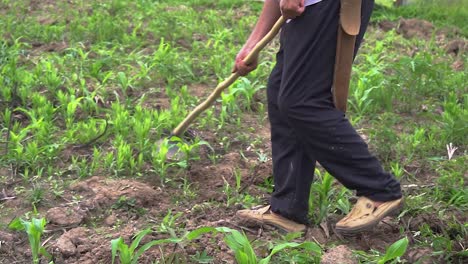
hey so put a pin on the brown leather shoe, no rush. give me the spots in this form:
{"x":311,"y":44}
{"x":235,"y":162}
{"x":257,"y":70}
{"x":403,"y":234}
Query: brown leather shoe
{"x":365,"y":215}
{"x":263,"y":215}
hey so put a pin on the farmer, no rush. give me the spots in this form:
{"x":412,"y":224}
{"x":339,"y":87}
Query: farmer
{"x":306,"y":125}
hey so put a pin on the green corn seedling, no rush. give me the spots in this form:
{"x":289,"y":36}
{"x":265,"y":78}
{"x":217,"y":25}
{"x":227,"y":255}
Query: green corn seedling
{"x":123,"y":154}
{"x":397,"y":169}
{"x":322,"y":187}
{"x":246,"y":88}
{"x":395,"y":251}
{"x":244,"y":252}
{"x":168,"y":223}
{"x":190,"y":151}
{"x":127,"y":254}
{"x":159,"y":159}
{"x":130,"y":254}
{"x":342,"y":201}
{"x":34,"y":229}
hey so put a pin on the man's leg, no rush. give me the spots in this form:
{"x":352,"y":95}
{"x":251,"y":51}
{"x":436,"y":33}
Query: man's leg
{"x":305,"y":100}
{"x":293,"y":170}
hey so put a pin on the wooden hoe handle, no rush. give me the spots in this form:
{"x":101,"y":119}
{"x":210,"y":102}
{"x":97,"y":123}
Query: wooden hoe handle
{"x":180,"y":129}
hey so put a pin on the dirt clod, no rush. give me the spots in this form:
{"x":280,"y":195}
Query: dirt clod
{"x":411,"y":28}
{"x":456,"y":47}
{"x":340,"y":254}
{"x":420,"y":255}
{"x":317,"y":235}
{"x":110,"y":220}
{"x":64,"y":216}
{"x":458,"y":65}
{"x":69,"y":243}
{"x":104,"y":192}
{"x":387,"y":25}
{"x":6,"y":237}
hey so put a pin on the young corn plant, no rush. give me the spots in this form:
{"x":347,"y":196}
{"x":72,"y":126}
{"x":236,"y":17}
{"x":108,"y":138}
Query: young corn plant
{"x":228,"y":108}
{"x":130,"y":254}
{"x":34,"y":229}
{"x":244,"y":252}
{"x":124,"y":82}
{"x":247,"y":89}
{"x":123,"y":156}
{"x":342,"y":201}
{"x":168,"y":223}
{"x":323,"y":188}
{"x":142,"y":127}
{"x":392,"y":254}
{"x":121,"y":120}
{"x":454,"y":119}
{"x":189,"y":151}
{"x":397,"y":169}
{"x":159,"y":159}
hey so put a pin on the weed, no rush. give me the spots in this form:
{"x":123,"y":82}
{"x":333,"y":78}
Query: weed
{"x":202,"y":257}
{"x":37,"y":196}
{"x":167,"y":225}
{"x":128,"y":204}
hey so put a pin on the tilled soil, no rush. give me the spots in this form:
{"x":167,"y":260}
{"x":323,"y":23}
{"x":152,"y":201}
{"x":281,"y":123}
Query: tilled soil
{"x":94,"y":211}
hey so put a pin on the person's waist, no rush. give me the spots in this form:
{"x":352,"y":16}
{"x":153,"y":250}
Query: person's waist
{"x":311,"y":2}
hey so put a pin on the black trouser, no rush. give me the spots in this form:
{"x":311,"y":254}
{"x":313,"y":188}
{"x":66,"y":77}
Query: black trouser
{"x":305,"y":125}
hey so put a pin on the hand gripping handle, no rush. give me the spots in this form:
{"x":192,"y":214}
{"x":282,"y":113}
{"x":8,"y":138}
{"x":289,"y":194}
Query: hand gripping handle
{"x":180,"y":129}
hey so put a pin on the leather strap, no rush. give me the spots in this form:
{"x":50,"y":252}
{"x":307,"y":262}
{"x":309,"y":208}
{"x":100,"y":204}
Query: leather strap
{"x":350,"y":24}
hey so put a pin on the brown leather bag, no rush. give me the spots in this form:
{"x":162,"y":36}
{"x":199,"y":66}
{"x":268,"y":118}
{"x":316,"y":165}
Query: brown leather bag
{"x":350,"y":24}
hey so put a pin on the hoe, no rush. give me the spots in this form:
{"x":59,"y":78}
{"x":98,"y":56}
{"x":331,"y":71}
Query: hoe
{"x":173,"y":152}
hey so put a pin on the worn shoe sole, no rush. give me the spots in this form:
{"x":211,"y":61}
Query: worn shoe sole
{"x":367,"y":227}
{"x":270,"y":219}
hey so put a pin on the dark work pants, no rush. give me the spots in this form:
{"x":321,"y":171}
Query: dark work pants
{"x":305,"y":125}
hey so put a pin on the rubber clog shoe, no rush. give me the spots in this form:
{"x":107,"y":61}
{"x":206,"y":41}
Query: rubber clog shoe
{"x":365,"y":215}
{"x":264,"y":216}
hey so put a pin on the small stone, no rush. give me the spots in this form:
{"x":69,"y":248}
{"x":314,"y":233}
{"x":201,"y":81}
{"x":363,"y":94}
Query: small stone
{"x":340,"y":254}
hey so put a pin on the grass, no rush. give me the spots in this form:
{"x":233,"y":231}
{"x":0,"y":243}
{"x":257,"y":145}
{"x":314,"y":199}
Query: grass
{"x":87,"y":87}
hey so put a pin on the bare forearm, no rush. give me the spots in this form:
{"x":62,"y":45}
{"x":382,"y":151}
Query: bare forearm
{"x":269,"y":15}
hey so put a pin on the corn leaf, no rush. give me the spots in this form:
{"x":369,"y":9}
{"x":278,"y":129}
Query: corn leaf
{"x":396,"y":250}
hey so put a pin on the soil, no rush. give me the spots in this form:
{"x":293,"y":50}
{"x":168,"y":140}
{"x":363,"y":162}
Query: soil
{"x":340,"y":254}
{"x":411,"y":28}
{"x":423,"y":29}
{"x":456,"y":47}
{"x":92,"y":212}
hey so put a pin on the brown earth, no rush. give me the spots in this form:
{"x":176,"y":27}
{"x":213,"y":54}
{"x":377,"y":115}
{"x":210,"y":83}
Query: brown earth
{"x":340,"y":254}
{"x":94,"y":211}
